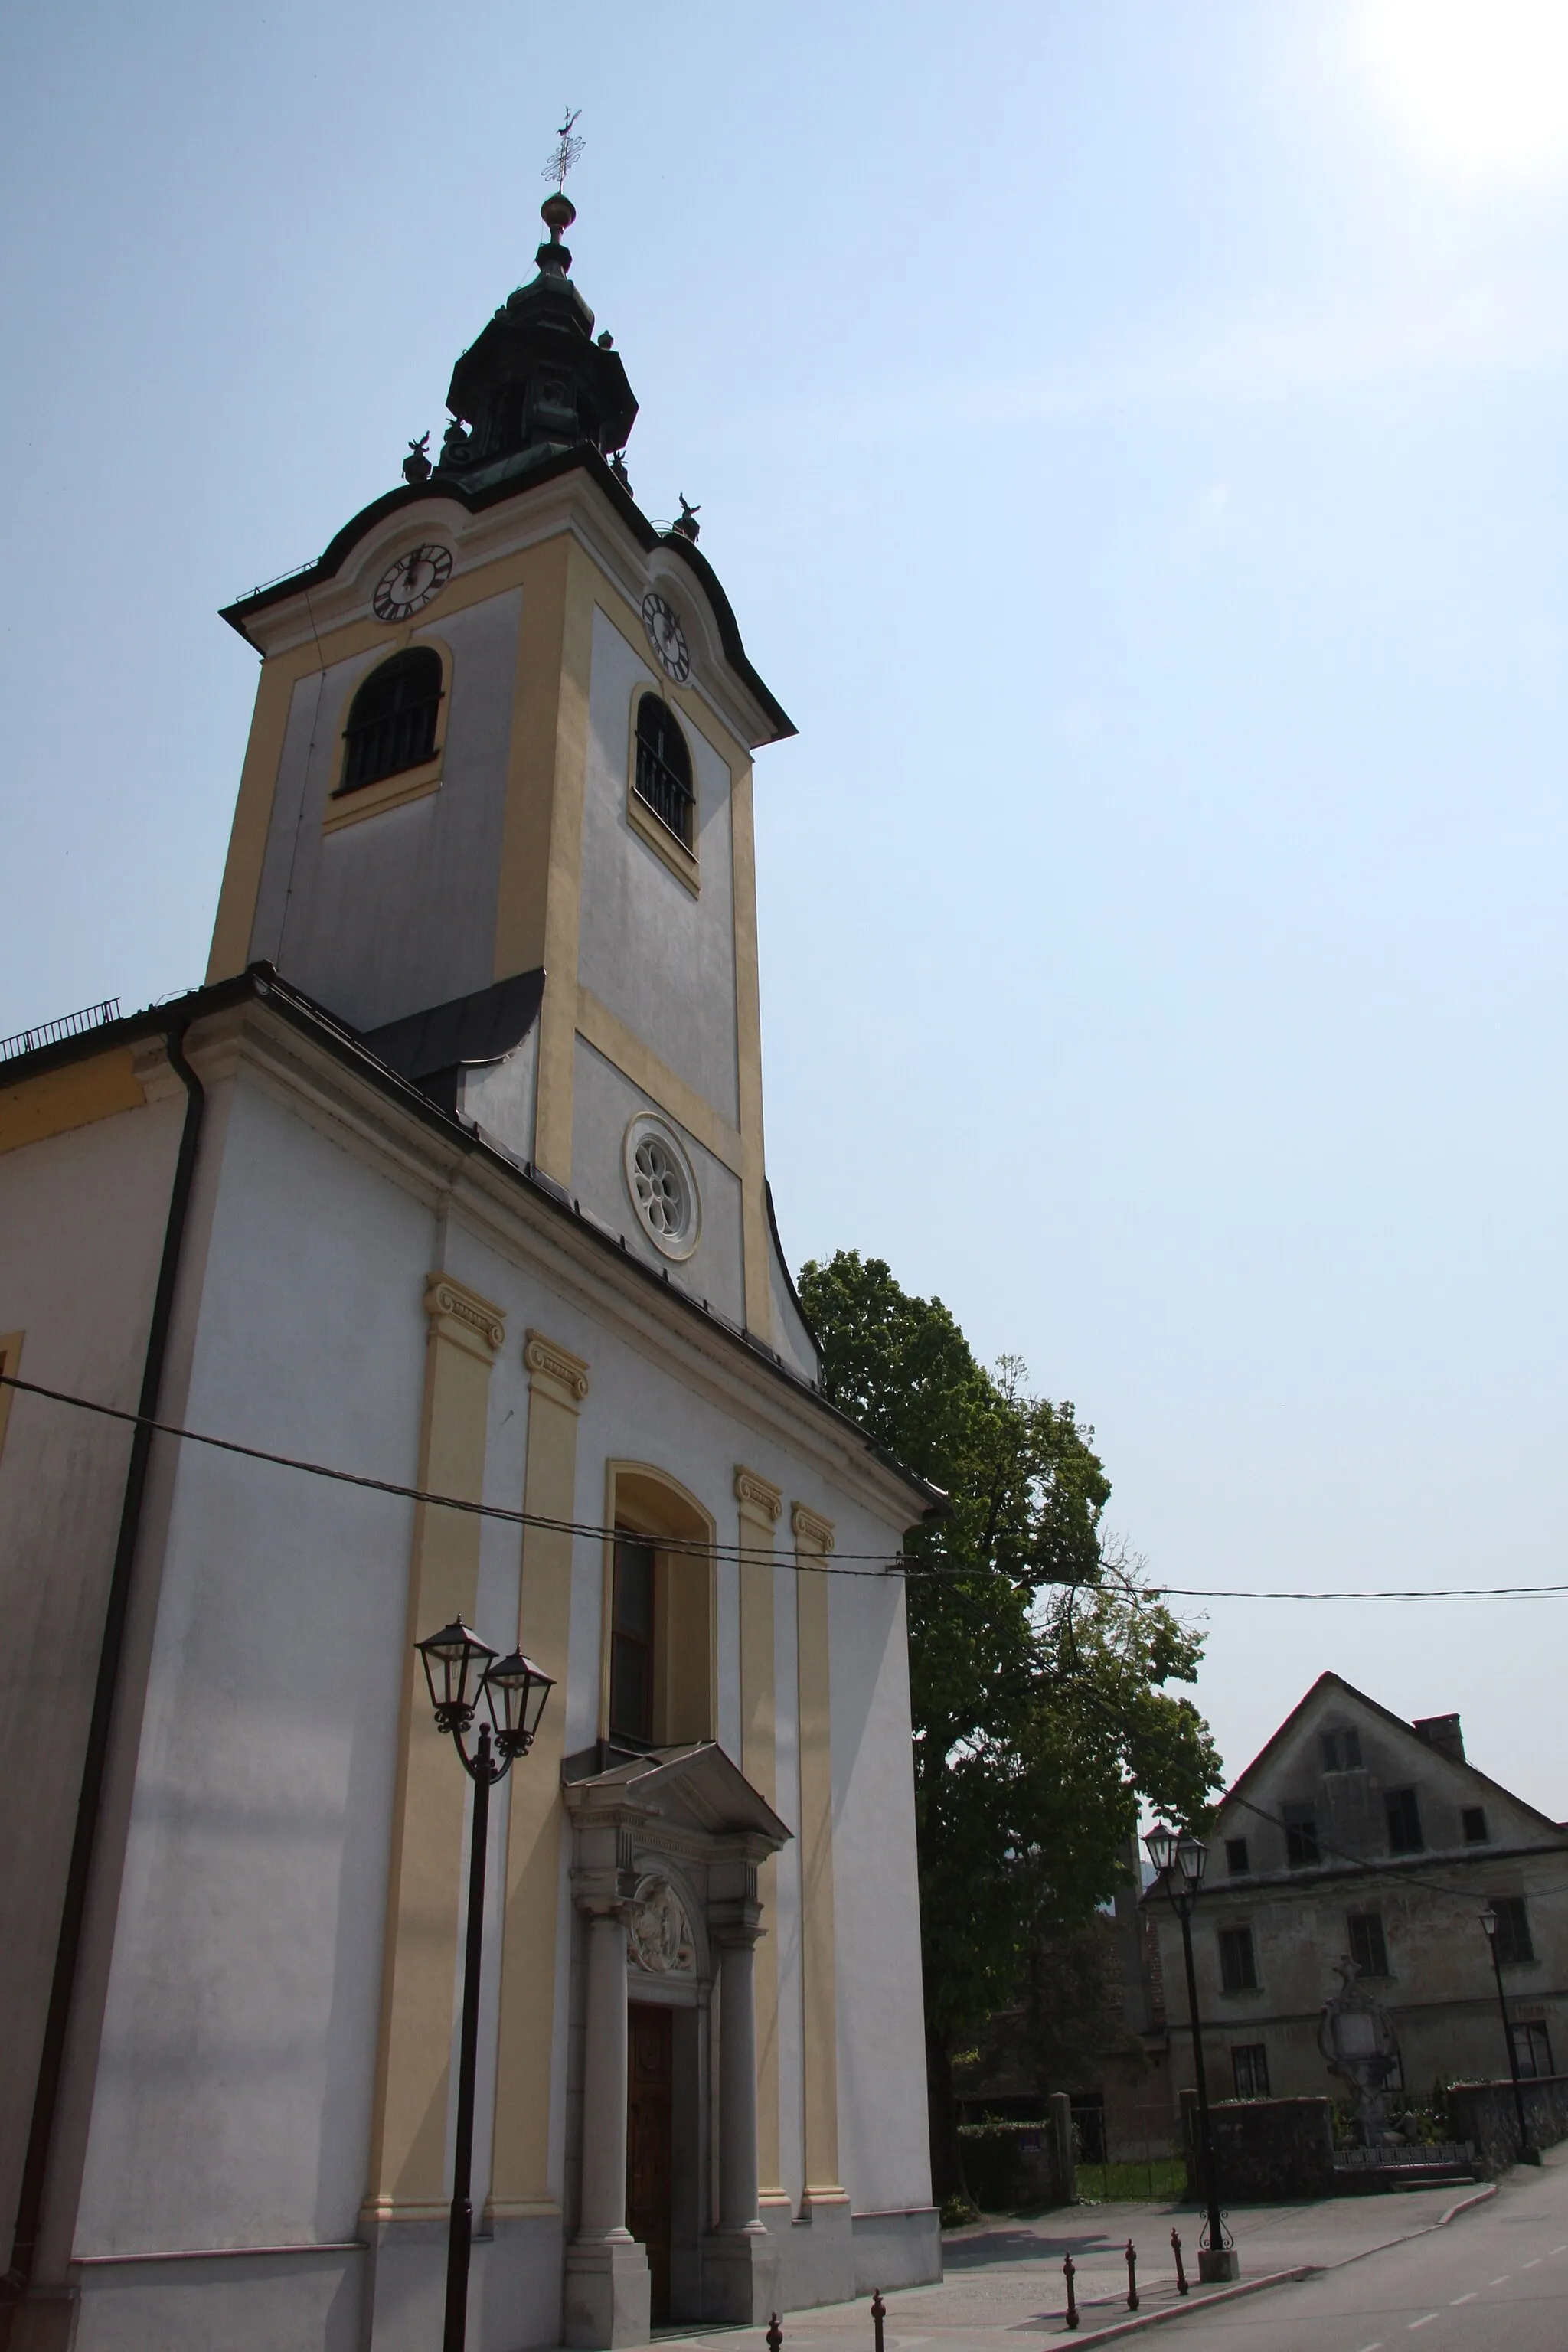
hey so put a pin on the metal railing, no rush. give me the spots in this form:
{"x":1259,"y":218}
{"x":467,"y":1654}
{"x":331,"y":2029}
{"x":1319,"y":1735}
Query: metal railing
{"x":70,"y":1024}
{"x":384,"y":746}
{"x":662,"y":789}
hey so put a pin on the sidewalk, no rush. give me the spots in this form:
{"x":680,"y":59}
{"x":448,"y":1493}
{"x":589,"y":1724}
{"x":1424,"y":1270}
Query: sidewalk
{"x":1004,"y":2278}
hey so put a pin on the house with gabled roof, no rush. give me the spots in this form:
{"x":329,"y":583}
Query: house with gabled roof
{"x":1354,"y":1834}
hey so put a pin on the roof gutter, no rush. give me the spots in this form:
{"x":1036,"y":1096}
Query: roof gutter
{"x":95,"y":1760}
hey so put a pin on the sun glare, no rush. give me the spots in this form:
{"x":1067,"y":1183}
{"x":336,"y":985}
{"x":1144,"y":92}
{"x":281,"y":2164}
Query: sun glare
{"x":1482,"y":84}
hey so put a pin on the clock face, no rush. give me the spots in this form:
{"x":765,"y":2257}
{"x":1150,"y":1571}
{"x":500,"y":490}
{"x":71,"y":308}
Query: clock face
{"x":666,"y":637}
{"x":411,"y":582}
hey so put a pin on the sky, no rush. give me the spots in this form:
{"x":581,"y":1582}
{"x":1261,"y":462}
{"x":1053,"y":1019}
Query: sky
{"x":1133,"y":440}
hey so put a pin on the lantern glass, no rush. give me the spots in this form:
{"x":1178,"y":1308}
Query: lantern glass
{"x":1488,"y":1924}
{"x":455,"y":1660}
{"x":1161,"y":1843}
{"x":516,"y":1690}
{"x":1192,"y":1861}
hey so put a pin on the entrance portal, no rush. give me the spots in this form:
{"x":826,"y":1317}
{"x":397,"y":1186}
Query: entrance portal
{"x":650,"y":2144}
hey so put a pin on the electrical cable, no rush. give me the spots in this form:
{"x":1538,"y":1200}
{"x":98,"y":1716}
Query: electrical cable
{"x":894,"y":1564}
{"x":832,"y":1564}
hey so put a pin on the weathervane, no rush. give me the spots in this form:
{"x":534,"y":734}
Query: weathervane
{"x":564,"y":153}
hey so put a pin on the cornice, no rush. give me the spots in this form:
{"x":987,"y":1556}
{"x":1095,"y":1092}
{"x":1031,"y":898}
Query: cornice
{"x":572,"y":491}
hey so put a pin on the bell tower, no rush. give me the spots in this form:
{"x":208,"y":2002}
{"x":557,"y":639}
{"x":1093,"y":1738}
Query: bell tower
{"x":496,"y":807}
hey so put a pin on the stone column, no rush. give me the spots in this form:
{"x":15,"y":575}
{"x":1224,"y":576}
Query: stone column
{"x":737,"y":2085}
{"x":740,"y":2260}
{"x":827,"y":2258}
{"x":606,"y":2296}
{"x":603,"y":2210}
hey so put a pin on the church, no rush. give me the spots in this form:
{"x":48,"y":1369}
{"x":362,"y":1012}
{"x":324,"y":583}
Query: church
{"x":417,"y":1270}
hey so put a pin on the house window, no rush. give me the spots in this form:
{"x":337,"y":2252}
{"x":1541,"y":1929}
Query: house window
{"x":663,"y":778}
{"x":1300,"y":1837}
{"x":1369,"y":1950}
{"x":1341,"y":1751}
{"x":1236,"y":1857}
{"x":1237,"y":1960}
{"x":1514,"y":1948}
{"x":1403,"y":1822}
{"x":1531,"y":2050}
{"x":1249,"y":2065}
{"x":631,"y":1641}
{"x":1473,"y":1825}
{"x":391,"y":719}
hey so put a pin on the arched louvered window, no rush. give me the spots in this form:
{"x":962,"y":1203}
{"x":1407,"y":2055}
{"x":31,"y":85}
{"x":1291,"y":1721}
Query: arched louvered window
{"x":664,"y":767}
{"x":391,"y":719}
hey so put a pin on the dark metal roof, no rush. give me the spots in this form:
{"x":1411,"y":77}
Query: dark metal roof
{"x":484,"y":1027}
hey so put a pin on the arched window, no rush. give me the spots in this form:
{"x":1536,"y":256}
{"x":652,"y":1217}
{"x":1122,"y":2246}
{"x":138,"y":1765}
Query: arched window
{"x":658,"y":1688}
{"x":391,"y":719}
{"x":664,"y":767}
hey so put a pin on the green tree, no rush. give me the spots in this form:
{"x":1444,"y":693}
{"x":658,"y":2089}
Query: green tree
{"x":1037,"y":1665}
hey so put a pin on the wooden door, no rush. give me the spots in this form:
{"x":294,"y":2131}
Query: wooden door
{"x":650,"y":2152}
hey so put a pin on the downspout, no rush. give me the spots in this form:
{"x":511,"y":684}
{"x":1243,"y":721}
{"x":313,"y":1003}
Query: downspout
{"x":90,"y":1802}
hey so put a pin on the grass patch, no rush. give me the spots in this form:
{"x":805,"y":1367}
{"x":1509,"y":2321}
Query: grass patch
{"x":1156,"y":2182}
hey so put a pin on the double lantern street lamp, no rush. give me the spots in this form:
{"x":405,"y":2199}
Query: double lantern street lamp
{"x":1179,"y":1863}
{"x":1527,"y":2154}
{"x":461,"y":1670}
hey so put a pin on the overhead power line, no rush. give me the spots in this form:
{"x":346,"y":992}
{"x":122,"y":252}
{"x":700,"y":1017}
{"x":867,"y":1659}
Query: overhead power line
{"x":887,"y":1564}
{"x":836,"y":1563}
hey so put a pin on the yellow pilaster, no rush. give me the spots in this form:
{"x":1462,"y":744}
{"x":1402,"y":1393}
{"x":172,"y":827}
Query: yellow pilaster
{"x":252,"y":821}
{"x":760,"y":1505}
{"x":408,"y":2138}
{"x":749,"y":1039}
{"x":820,"y":1987}
{"x":520,"y":2171}
{"x":542,"y":847}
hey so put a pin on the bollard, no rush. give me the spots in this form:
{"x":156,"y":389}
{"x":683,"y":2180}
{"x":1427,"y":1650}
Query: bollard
{"x":1131,"y":2276}
{"x":775,"y":2334}
{"x":1072,"y":2304}
{"x":879,"y":2313}
{"x":1181,"y":2274}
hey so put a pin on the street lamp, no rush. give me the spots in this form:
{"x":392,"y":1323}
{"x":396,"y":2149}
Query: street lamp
{"x":1179,"y":1863}
{"x":461,"y":1670}
{"x":1527,"y":2154}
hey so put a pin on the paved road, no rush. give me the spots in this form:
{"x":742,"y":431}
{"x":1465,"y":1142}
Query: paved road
{"x":1497,"y":2281}
{"x":1002,"y":2288}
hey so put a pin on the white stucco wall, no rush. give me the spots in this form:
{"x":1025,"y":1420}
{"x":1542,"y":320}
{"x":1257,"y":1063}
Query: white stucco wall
{"x":397,"y":911}
{"x":662,"y":960}
{"x":83,"y":1217}
{"x":233,"y":2104}
{"x":603,"y":1104}
{"x":882,"y":2143}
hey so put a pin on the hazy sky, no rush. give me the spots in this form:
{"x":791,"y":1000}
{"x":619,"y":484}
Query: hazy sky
{"x":1133,"y":439}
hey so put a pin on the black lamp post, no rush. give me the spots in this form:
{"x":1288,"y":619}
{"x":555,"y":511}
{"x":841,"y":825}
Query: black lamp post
{"x":460,"y":1669}
{"x":1179,"y":1863}
{"x":1527,"y":2154}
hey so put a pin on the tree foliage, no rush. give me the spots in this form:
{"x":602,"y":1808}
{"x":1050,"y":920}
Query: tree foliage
{"x":1037,"y":1665}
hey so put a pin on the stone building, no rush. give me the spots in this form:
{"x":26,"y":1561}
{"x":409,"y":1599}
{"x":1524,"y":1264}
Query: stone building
{"x":450,"y":1178}
{"x":1357,"y":1835}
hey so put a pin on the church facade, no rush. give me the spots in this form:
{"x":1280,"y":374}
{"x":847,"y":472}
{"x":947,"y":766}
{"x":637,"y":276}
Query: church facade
{"x":450,"y":1178}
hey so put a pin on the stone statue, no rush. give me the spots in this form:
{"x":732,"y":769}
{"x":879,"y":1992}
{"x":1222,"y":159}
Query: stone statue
{"x":1356,"y":2036}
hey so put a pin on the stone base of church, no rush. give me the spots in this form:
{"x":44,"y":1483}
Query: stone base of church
{"x":606,"y":2299}
{"x":741,"y":2277}
{"x":902,"y":2248}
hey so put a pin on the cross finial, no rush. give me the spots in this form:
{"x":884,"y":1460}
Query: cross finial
{"x":565,"y":151}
